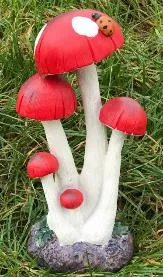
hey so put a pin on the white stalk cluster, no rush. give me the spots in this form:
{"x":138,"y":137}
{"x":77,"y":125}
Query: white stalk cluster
{"x":98,"y":180}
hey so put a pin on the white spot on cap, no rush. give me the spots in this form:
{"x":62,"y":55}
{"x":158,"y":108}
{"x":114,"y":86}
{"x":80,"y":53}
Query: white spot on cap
{"x":85,"y":26}
{"x":38,"y":37}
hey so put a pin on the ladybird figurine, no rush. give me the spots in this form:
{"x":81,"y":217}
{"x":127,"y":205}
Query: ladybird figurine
{"x":104,"y":23}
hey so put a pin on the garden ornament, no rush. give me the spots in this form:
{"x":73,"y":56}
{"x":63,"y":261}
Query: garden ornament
{"x":79,"y":231}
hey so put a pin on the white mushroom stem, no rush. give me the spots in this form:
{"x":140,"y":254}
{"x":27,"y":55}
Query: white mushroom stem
{"x":59,"y":147}
{"x":101,"y":223}
{"x":56,"y":218}
{"x":49,"y":191}
{"x":67,"y":177}
{"x":96,"y":139}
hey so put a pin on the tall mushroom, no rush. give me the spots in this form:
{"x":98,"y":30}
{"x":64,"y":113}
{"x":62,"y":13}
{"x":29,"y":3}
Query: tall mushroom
{"x":49,"y":100}
{"x":124,"y":116}
{"x":42,"y":165}
{"x":75,"y":41}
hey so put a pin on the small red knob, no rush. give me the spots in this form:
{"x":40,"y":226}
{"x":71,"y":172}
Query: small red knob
{"x":71,"y":198}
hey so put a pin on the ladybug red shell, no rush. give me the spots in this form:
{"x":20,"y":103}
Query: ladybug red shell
{"x":104,"y":23}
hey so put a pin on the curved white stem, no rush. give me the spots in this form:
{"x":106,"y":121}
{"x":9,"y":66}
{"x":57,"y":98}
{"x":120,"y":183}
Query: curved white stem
{"x":67,"y":175}
{"x":57,"y":219}
{"x":96,"y":139}
{"x":98,"y":229}
{"x":58,"y":145}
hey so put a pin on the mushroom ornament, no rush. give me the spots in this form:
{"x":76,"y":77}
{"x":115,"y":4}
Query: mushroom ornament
{"x":82,"y":207}
{"x":90,"y":37}
{"x":42,"y":165}
{"x":124,"y":116}
{"x":49,"y":100}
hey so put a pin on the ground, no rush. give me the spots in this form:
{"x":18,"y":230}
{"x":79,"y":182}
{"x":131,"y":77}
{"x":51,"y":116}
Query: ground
{"x":136,"y":71}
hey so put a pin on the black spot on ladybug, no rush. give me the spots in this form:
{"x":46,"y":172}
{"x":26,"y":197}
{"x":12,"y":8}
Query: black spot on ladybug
{"x":96,"y":16}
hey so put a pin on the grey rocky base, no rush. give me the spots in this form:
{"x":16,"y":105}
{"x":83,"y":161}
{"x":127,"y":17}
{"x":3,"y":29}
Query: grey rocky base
{"x":81,"y":256}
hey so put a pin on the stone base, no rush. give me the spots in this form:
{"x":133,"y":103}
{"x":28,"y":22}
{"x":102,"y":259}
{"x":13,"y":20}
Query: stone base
{"x":81,"y":256}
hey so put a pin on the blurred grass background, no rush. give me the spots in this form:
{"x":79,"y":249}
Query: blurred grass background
{"x":136,"y":71}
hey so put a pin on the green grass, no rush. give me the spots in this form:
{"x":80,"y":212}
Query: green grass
{"x":136,"y":71}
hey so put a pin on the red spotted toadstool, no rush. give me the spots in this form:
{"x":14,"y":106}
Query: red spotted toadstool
{"x":75,"y":41}
{"x":49,"y":100}
{"x":124,"y":116}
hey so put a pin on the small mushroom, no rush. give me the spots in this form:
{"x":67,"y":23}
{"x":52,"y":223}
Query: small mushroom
{"x":124,"y":116}
{"x":73,"y":41}
{"x":49,"y":100}
{"x":42,"y":165}
{"x":71,"y":198}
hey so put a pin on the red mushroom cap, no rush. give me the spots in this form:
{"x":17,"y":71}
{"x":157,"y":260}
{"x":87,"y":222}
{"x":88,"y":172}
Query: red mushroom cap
{"x":49,"y":98}
{"x":61,"y":49}
{"x":71,"y":198}
{"x":42,"y":164}
{"x":124,"y":114}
